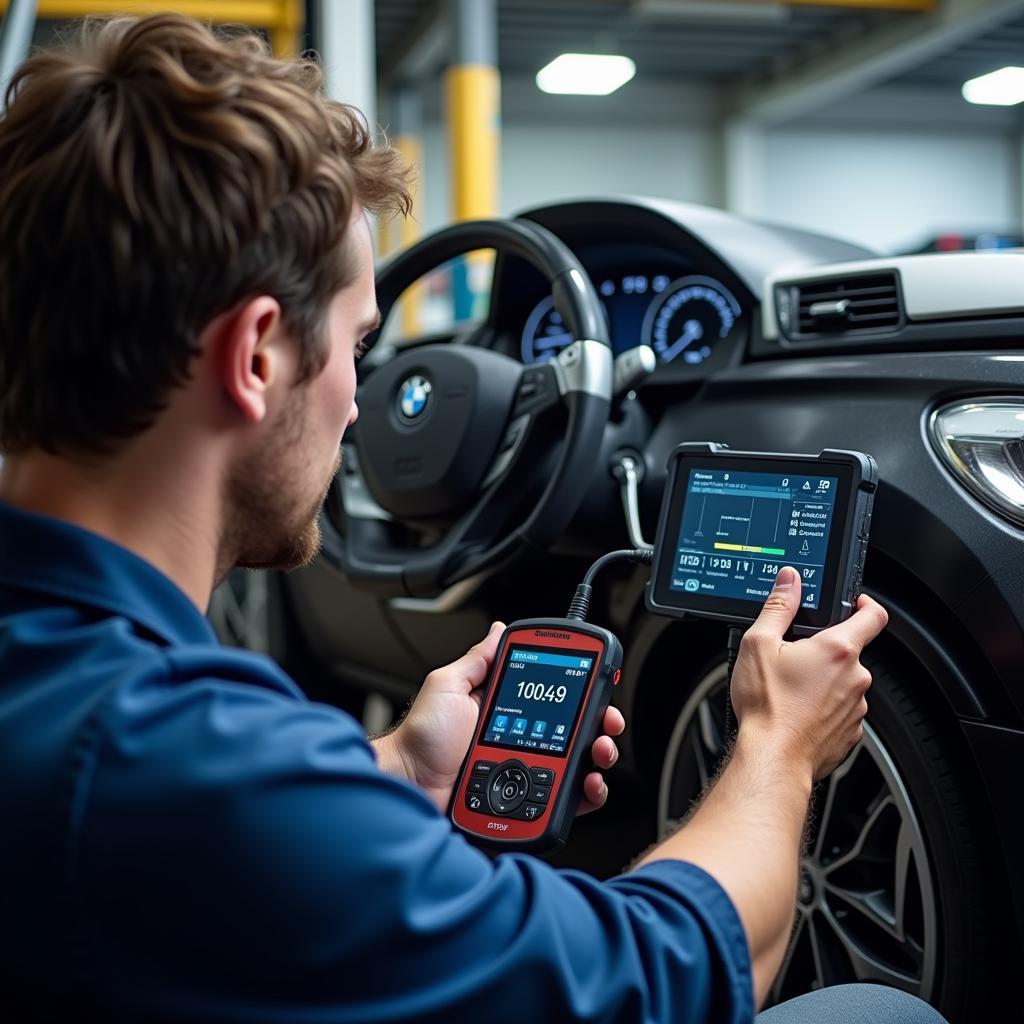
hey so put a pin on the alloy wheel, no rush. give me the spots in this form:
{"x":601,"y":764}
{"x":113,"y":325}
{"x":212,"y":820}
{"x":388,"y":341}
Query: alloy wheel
{"x":866,"y":908}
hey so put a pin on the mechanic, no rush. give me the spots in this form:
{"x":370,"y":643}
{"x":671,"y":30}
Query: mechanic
{"x":186,"y":276}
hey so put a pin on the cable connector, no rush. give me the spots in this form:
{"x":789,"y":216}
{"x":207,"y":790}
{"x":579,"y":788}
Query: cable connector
{"x":580,"y":604}
{"x":581,"y":600}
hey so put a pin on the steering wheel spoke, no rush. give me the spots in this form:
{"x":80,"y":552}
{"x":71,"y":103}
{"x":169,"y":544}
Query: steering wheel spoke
{"x":356,"y":499}
{"x":512,"y":443}
{"x":538,"y":390}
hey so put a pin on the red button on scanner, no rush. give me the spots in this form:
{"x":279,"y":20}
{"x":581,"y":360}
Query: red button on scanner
{"x":616,"y":677}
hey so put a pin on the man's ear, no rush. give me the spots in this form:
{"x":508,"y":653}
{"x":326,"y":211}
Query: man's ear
{"x":250,"y":345}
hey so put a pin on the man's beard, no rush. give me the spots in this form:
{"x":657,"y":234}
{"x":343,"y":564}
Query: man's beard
{"x":270,"y":522}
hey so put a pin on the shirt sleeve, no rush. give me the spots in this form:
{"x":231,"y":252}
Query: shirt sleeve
{"x":240,"y":857}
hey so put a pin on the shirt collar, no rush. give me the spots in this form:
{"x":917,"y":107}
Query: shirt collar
{"x":44,"y":555}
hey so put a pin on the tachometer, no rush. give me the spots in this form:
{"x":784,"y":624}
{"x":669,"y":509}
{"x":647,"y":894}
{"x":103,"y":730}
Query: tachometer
{"x":545,"y":333}
{"x":688,"y":318}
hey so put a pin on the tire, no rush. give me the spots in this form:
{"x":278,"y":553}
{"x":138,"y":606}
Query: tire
{"x":892,"y":818}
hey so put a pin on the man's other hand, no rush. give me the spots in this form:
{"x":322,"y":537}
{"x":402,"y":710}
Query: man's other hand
{"x":430,"y":743}
{"x":808,"y":694}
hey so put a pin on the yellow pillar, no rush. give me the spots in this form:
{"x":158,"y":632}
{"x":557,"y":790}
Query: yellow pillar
{"x":473,"y":89}
{"x":285,"y":33}
{"x":474,"y":105}
{"x":411,"y":148}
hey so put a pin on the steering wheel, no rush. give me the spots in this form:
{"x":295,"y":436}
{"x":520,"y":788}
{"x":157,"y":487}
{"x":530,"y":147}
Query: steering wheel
{"x":441,"y":428}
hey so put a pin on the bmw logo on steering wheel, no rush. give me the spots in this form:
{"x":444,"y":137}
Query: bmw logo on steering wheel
{"x":414,"y":398}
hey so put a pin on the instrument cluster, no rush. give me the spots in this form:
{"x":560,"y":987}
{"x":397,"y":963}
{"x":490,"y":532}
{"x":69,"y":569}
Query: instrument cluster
{"x":686,"y":319}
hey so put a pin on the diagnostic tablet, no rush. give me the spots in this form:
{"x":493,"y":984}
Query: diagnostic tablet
{"x":730,"y":520}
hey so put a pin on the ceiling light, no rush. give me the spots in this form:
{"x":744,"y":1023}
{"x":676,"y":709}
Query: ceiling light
{"x":1001,"y":88}
{"x":586,"y":74}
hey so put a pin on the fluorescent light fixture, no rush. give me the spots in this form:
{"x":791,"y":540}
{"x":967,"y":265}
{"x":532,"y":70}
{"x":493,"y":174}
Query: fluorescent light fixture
{"x":1002,"y":88}
{"x":586,"y":74}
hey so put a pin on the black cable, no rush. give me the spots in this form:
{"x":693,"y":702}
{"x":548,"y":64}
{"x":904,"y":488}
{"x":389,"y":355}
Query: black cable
{"x":732,"y":649}
{"x":580,"y":604}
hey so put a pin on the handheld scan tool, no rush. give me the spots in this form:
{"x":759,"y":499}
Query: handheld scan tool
{"x":542,"y":708}
{"x":730,"y":520}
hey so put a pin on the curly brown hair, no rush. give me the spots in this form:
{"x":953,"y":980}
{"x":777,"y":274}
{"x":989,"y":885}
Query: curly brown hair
{"x":154,"y":173}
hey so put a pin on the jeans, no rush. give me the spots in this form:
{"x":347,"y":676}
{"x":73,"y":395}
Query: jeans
{"x":853,"y":1004}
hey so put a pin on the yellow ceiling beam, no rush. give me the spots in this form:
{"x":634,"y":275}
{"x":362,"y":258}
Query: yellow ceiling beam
{"x":283,"y":18}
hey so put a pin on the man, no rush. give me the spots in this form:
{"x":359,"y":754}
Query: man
{"x":186,"y":276}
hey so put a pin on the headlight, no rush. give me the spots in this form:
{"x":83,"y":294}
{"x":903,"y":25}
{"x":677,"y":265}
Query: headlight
{"x":982,"y":442}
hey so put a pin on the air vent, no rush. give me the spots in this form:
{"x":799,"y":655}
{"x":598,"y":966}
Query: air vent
{"x":840,"y":306}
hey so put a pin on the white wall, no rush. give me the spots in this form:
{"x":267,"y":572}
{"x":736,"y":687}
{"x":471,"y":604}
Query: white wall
{"x":545,"y":162}
{"x":890,"y":189}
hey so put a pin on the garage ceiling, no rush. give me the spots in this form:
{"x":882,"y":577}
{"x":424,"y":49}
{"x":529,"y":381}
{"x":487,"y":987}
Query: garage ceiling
{"x":719,"y":42}
{"x":692,"y":43}
{"x":993,"y":49}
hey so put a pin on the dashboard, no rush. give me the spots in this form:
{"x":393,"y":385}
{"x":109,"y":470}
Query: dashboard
{"x":653,"y":294}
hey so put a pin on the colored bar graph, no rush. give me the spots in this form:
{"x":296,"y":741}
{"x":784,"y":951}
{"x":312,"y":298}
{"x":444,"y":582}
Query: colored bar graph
{"x":750,"y":548}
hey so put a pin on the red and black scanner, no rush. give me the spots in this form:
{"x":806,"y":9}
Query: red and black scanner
{"x":541,"y":711}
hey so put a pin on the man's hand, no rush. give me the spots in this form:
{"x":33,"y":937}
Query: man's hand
{"x":429,"y":745}
{"x":808,"y":695}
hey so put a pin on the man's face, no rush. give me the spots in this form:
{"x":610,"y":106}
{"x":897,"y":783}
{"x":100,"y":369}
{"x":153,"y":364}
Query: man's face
{"x":275,"y":496}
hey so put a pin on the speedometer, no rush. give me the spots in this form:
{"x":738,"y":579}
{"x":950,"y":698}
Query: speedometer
{"x":688,"y":318}
{"x":545,"y":333}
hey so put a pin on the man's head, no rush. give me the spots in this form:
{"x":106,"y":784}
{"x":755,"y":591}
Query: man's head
{"x":170,"y":196}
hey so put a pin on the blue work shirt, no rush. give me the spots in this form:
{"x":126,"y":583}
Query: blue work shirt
{"x":185,"y":837}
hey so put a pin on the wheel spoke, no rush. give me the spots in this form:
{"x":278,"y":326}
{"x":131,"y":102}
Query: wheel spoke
{"x":858,"y":847}
{"x":833,"y":780}
{"x":708,"y":730}
{"x":705,"y":742}
{"x":903,"y":860}
{"x":870,"y":909}
{"x":866,"y":967}
{"x":816,"y":952}
{"x":698,"y":756}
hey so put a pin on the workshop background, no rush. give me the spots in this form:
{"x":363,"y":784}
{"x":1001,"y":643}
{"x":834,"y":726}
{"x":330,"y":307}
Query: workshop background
{"x":841,"y":116}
